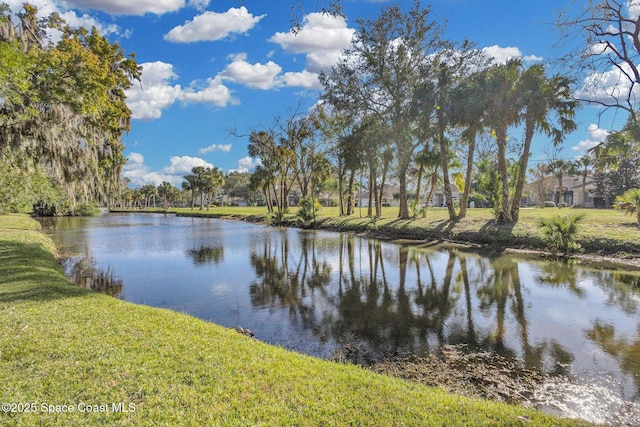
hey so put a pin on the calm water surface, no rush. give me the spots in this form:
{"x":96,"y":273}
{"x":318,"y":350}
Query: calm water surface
{"x":324,"y":293}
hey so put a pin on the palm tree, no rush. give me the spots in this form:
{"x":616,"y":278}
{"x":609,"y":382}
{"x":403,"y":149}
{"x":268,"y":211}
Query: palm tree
{"x":148,"y":191}
{"x":542,"y":97}
{"x":427,"y":160}
{"x":561,"y":232}
{"x":212,"y":181}
{"x":584,"y":164}
{"x":166,"y":191}
{"x":441,"y":122}
{"x":261,"y":180}
{"x":630,"y":202}
{"x":503,"y":110}
{"x":191,"y":185}
{"x":199,"y":172}
{"x":469,"y":106}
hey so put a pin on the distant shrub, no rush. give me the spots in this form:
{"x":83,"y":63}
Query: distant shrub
{"x":563,"y":205}
{"x":549,"y":204}
{"x":275,"y":218}
{"x":85,"y":209}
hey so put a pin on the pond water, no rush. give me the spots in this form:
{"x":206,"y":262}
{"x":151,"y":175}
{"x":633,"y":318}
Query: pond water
{"x":324,"y":293}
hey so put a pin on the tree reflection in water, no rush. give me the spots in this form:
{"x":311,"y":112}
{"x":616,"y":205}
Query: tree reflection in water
{"x":323,"y":293}
{"x":374,"y":299}
{"x":85,"y":273}
{"x":206,"y":255}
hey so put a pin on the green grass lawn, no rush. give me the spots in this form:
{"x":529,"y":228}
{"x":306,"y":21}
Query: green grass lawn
{"x":603,"y":231}
{"x":85,"y":357}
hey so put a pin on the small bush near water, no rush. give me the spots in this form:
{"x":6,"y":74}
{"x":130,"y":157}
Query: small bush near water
{"x":308,"y":208}
{"x":560,"y":232}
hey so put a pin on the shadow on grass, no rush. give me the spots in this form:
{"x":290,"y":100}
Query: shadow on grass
{"x":605,"y":246}
{"x":445,"y":228}
{"x":30,"y":273}
{"x":497,"y":232}
{"x":633,"y":225}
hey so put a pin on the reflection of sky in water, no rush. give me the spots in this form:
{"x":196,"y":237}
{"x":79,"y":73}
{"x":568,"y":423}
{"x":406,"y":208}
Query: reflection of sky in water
{"x":313,"y":291}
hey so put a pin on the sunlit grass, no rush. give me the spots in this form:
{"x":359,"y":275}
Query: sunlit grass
{"x":64,"y":347}
{"x":603,"y":231}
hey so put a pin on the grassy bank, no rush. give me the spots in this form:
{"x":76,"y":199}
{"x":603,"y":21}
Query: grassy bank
{"x":85,"y":357}
{"x":603,"y":231}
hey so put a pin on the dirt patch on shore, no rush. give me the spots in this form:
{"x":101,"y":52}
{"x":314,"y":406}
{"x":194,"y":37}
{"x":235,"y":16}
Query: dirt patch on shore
{"x":480,"y":375}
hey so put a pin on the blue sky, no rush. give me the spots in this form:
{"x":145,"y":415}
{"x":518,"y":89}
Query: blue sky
{"x":210,"y":66}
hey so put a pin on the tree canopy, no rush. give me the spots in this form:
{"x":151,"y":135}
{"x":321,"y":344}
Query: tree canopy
{"x":63,"y":102}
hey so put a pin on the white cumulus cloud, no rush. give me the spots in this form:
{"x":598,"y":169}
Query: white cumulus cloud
{"x":304,"y":79}
{"x":322,"y":38}
{"x":129,"y":7}
{"x":257,"y":76}
{"x":155,"y":93}
{"x":596,"y":136}
{"x":500,"y":55}
{"x":608,"y":87}
{"x":215,"y":92}
{"x":212,"y":26}
{"x":71,"y":17}
{"x":247,"y":164}
{"x":140,"y":174}
{"x":181,"y":165}
{"x":215,"y":147}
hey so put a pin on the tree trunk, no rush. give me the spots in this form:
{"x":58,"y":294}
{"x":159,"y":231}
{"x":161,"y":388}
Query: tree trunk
{"x":267,"y":198}
{"x":445,"y":167}
{"x":419,"y":185}
{"x":432,"y":187}
{"x":380,"y":190}
{"x":522,"y":171}
{"x":559,"y":191}
{"x":403,"y":212}
{"x":372,"y":180}
{"x":350,"y":201}
{"x":340,"y":187}
{"x":505,"y":214}
{"x":405,"y":152}
{"x":464,"y":202}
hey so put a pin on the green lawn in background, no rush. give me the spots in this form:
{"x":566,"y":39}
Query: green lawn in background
{"x":603,"y":231}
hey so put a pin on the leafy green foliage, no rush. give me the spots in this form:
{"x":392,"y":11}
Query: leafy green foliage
{"x":20,"y":189}
{"x":168,"y":193}
{"x":86,"y":209}
{"x":616,"y":163}
{"x":275,"y":217}
{"x":307,"y":208}
{"x":560,"y":232}
{"x":629,"y":202}
{"x":63,"y":103}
